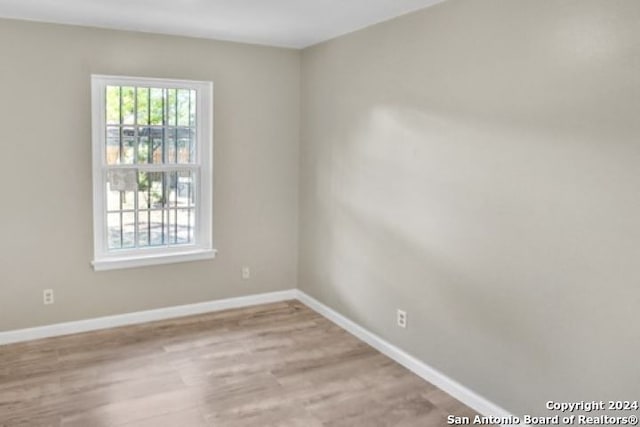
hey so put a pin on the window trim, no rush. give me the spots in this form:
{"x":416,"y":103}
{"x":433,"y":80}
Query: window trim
{"x":202,"y":248}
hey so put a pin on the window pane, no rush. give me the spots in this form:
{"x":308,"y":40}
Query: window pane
{"x":184,"y":189}
{"x":183,"y":146}
{"x":158,"y":225}
{"x":183,"y":107}
{"x":192,"y":111}
{"x":113,"y":105}
{"x":157,"y":189}
{"x":151,"y":190}
{"x":128,"y":105}
{"x":184,"y":226}
{"x":113,"y":145}
{"x":151,"y":228}
{"x":120,"y":200}
{"x":150,"y":145}
{"x":114,"y":231}
{"x":143,"y":105}
{"x":128,"y":230}
{"x":157,"y":146}
{"x":172,"y":107}
{"x":144,"y":229}
{"x":157,"y":106}
{"x":144,"y":149}
{"x":173,"y":226}
{"x":180,"y":226}
{"x":128,"y":145}
{"x":171,"y":180}
{"x":170,"y":145}
{"x":192,"y":225}
{"x":192,"y":146}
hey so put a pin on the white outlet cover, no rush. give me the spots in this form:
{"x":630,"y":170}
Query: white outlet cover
{"x":402,"y":318}
{"x":47,"y":296}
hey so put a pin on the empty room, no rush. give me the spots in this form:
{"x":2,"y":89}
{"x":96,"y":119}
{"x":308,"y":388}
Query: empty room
{"x":319,"y":213}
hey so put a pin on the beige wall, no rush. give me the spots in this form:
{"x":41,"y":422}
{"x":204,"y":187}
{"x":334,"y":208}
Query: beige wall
{"x":478,"y":165}
{"x":45,"y":159}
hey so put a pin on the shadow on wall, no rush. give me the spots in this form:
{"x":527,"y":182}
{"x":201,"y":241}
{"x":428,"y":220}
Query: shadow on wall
{"x":477,"y":229}
{"x":397,"y":206}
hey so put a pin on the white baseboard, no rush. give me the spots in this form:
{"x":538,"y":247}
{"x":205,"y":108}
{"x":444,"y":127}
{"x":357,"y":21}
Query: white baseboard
{"x":87,"y":325}
{"x":440,"y":380}
{"x":435,"y":377}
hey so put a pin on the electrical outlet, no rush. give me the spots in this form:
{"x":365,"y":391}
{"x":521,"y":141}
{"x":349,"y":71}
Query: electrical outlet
{"x":402,"y":318}
{"x":47,"y":296}
{"x":246,"y":273}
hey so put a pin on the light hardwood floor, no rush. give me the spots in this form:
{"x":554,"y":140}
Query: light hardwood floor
{"x":272,"y":365}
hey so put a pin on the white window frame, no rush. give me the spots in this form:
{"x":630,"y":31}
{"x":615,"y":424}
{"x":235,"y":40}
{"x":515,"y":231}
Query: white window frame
{"x":202,"y":247}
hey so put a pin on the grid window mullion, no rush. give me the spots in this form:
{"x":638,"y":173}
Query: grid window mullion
{"x":189,"y":203}
{"x":121,"y":230}
{"x":136,"y":209}
{"x":136,"y":140}
{"x":123,"y":211}
{"x":189,"y":130}
{"x":149,"y":206}
{"x":178,"y":186}
{"x":150,"y":136}
{"x":164,"y":124}
{"x":175,"y":132}
{"x":174,"y":181}
{"x":121,"y":152}
{"x":135,"y":125}
{"x":165,"y":239}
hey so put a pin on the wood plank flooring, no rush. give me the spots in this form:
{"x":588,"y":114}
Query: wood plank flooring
{"x":271,"y":365}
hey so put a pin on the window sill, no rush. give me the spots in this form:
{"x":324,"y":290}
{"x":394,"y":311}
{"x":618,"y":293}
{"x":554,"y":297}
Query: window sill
{"x":133,"y":261}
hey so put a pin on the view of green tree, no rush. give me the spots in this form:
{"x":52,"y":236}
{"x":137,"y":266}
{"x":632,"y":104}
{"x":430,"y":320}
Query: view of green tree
{"x":128,"y":105}
{"x":171,"y":104}
{"x":155,"y":106}
{"x":150,"y":186}
{"x":148,"y":125}
{"x":143,"y":105}
{"x":183,"y":108}
{"x":113,"y":104}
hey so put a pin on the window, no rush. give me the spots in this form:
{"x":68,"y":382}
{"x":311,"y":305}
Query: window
{"x":152,"y":171}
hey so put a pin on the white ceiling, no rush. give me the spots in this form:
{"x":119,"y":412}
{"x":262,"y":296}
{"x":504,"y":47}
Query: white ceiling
{"x":288,"y":23}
